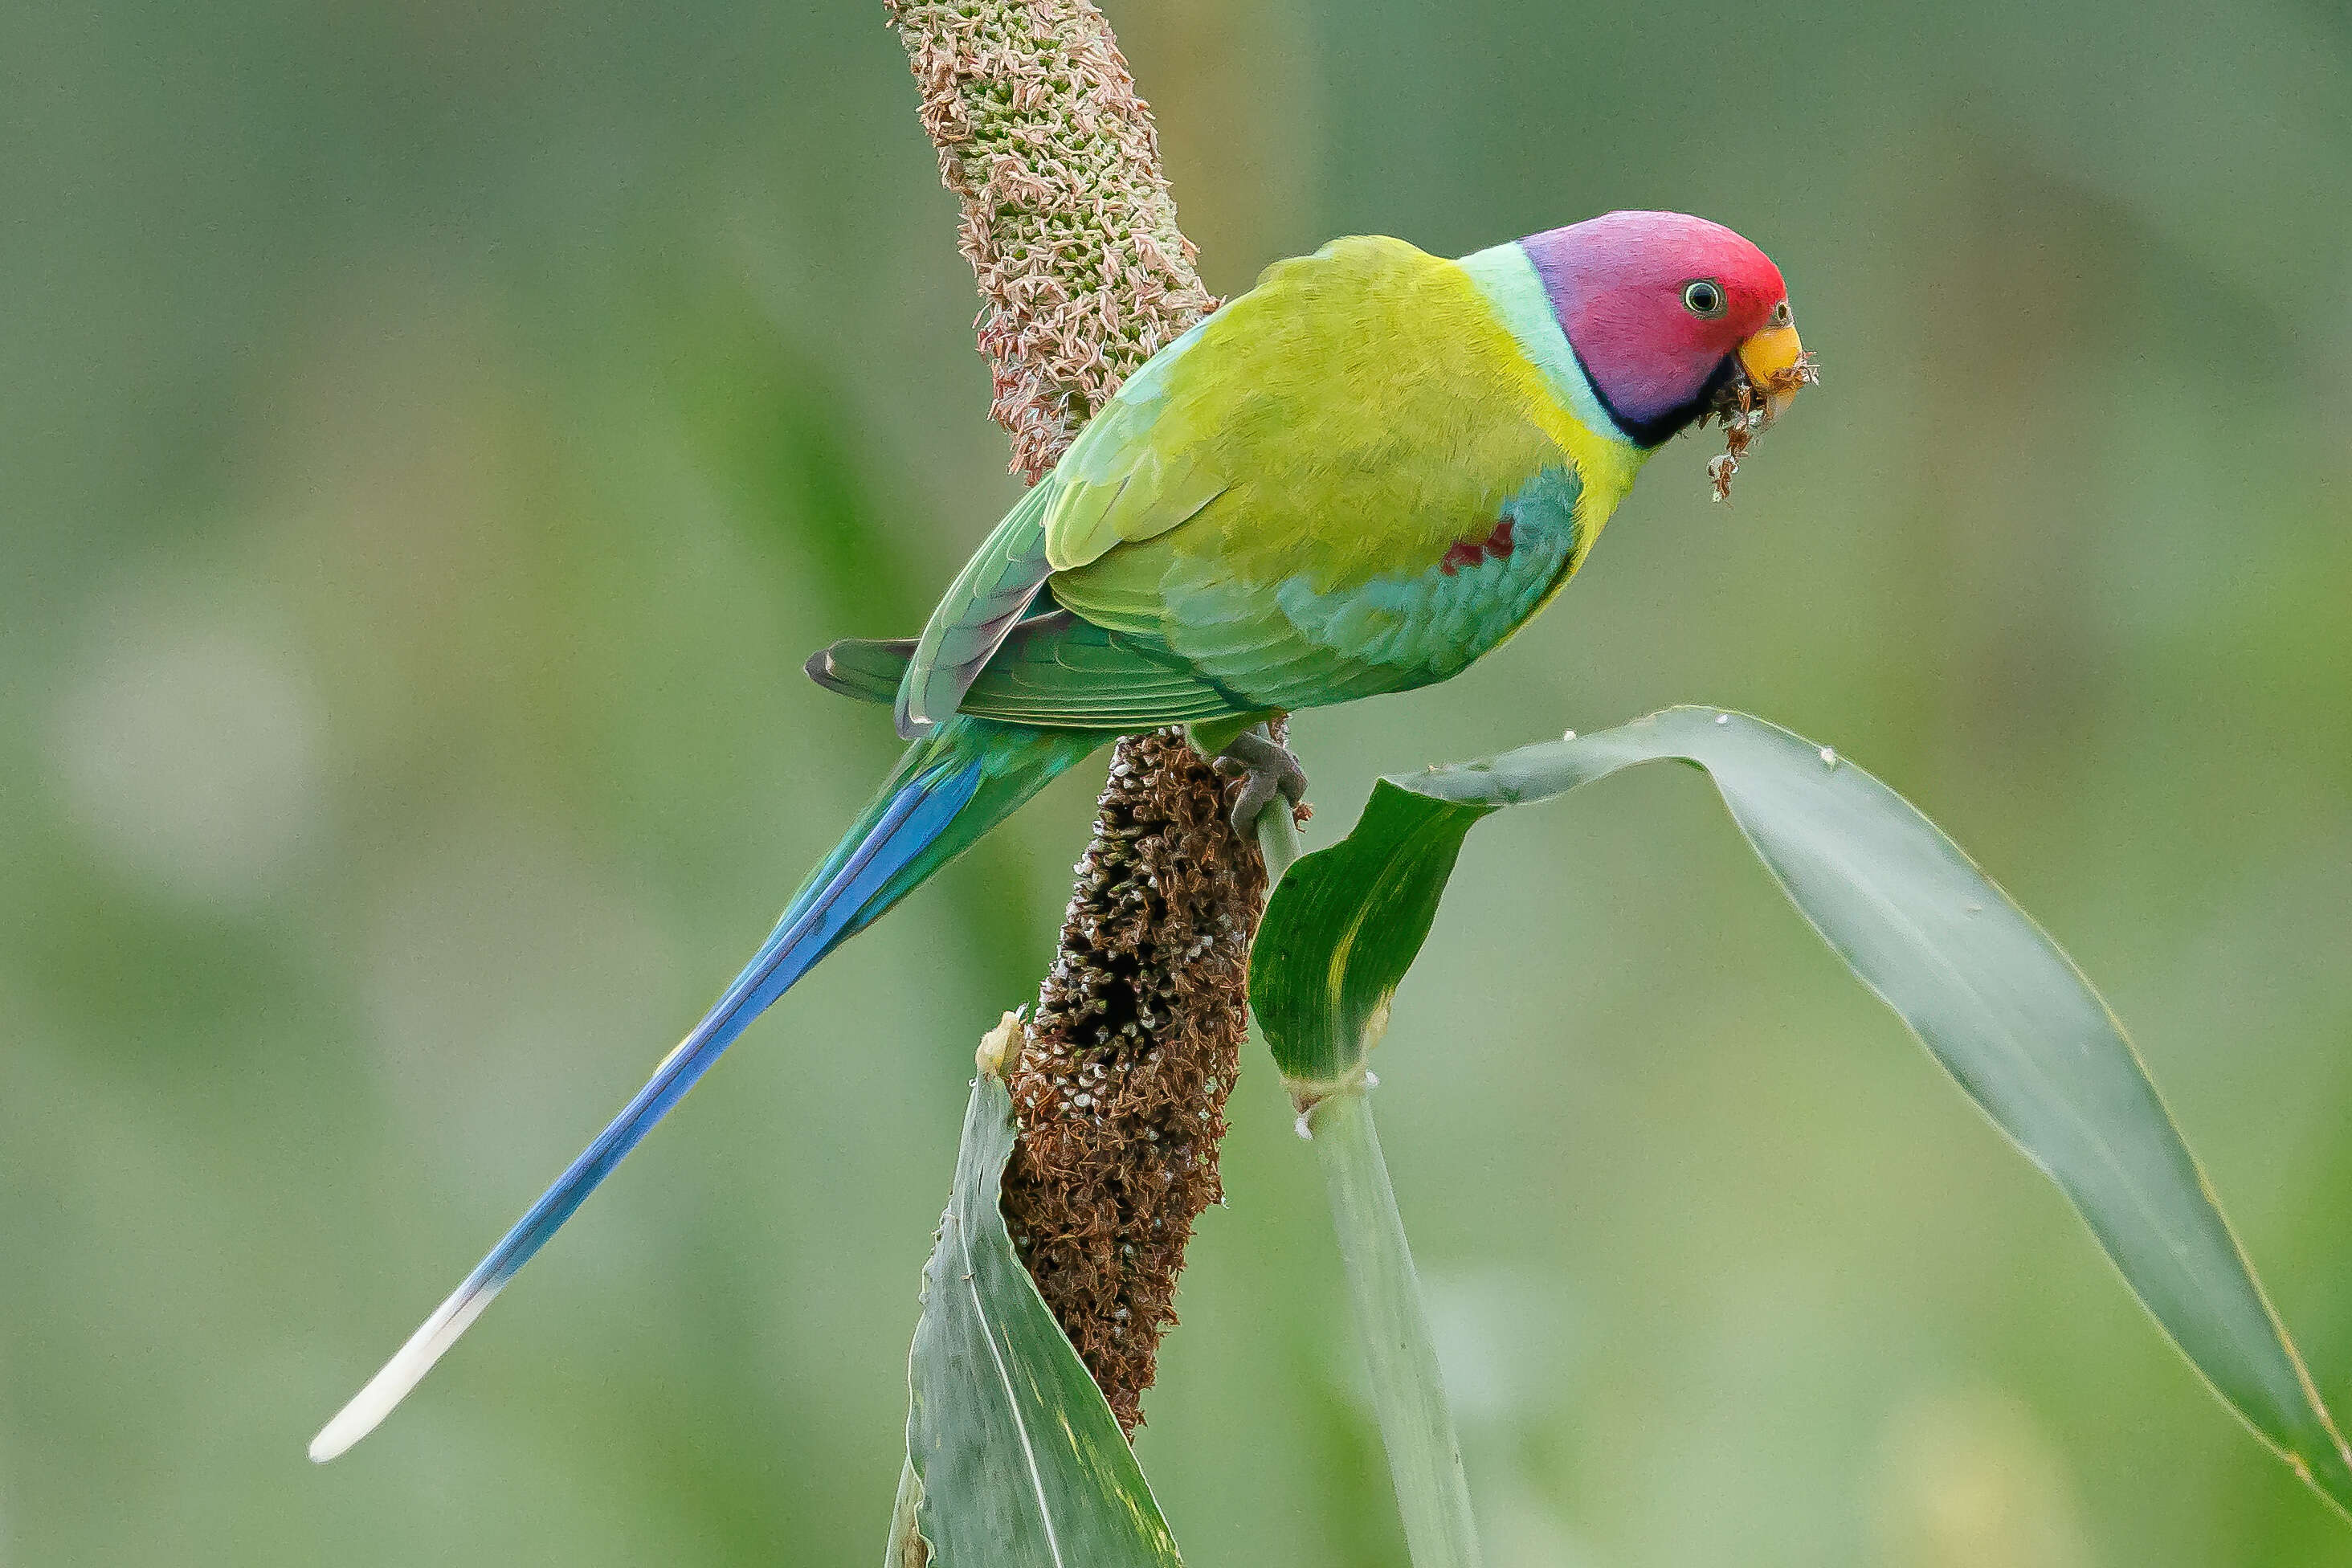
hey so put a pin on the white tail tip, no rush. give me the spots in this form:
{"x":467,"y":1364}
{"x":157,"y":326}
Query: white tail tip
{"x":407,"y":1367}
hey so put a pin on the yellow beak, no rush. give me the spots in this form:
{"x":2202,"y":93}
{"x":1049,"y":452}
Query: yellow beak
{"x":1774,"y":361}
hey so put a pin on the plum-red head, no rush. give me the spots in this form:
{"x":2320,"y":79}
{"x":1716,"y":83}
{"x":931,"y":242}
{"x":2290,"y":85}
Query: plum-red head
{"x":1664,"y":309}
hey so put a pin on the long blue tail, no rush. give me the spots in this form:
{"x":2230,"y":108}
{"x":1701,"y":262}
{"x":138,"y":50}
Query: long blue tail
{"x":953,"y":786}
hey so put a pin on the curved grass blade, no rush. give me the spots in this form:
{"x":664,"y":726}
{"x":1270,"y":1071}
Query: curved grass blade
{"x":1983,"y":988}
{"x":1019,"y":1460}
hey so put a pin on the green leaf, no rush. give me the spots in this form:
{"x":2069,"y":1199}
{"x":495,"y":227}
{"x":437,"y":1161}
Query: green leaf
{"x":1982,"y":986}
{"x":1343,"y":926}
{"x":1020,"y":1462}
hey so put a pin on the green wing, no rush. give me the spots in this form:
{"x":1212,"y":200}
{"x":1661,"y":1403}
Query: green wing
{"x":1053,"y":670}
{"x":980,"y":608}
{"x":1114,"y":485}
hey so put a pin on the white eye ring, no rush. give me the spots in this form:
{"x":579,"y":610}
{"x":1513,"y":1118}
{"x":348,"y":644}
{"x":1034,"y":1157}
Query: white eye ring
{"x":1704,"y":297}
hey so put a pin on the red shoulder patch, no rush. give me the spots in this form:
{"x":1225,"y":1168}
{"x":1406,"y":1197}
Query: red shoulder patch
{"x":1474,"y":551}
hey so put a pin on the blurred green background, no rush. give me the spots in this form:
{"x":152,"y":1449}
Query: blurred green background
{"x":433,"y":433}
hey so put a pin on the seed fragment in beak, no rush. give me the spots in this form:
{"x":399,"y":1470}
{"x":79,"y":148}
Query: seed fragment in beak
{"x":1778,"y":365}
{"x":1773,"y":364}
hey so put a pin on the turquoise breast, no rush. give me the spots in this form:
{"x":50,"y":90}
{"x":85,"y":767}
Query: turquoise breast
{"x":1427,"y":625}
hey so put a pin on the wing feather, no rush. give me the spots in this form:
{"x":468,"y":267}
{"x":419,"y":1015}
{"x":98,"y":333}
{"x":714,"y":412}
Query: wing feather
{"x":1115,"y":484}
{"x":979,"y":609}
{"x":1050,"y":669}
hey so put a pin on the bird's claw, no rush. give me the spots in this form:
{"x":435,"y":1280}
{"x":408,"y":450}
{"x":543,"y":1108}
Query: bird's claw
{"x":1267,"y":769}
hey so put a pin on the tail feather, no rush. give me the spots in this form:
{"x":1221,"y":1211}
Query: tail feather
{"x":865,"y":669}
{"x":953,"y":786}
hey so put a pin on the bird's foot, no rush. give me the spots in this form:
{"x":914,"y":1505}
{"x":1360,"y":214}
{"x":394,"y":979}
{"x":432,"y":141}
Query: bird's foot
{"x":1267,"y":769}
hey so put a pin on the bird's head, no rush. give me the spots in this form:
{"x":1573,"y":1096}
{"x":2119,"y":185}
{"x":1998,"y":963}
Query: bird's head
{"x":1672,"y":317}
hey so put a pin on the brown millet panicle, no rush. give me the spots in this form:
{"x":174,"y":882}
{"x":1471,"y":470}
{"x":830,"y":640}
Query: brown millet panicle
{"x":1121,"y":1086}
{"x":1120,"y":1082}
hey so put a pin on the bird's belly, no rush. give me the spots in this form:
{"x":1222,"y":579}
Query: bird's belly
{"x":1406,"y":629}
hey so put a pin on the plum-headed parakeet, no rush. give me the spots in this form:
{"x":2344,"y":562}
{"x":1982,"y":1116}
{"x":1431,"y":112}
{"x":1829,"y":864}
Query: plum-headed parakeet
{"x":1359,"y":477}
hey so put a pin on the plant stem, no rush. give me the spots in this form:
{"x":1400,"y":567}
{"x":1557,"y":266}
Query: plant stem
{"x":1277,"y":840}
{"x":1408,"y":1394}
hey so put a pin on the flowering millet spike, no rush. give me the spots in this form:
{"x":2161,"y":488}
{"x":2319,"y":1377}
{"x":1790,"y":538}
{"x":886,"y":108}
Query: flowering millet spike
{"x":1067,"y":221}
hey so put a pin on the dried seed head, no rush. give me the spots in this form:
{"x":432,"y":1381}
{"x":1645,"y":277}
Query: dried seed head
{"x":1746,"y":411}
{"x":1110,"y":1198}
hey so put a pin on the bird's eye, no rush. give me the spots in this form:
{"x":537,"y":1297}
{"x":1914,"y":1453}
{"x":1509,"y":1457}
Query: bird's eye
{"x":1783,"y":315}
{"x":1703,"y":297}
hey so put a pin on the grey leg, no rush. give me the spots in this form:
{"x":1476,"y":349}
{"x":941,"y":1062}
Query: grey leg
{"x":1267,"y":769}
